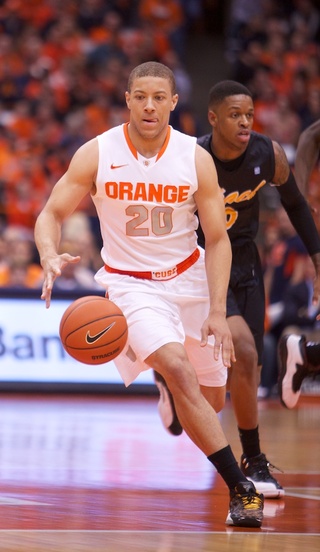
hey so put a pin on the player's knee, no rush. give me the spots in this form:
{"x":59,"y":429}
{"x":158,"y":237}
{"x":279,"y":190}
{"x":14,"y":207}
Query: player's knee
{"x":220,"y":402}
{"x":247,"y":357}
{"x":176,"y":369}
{"x":179,"y":375}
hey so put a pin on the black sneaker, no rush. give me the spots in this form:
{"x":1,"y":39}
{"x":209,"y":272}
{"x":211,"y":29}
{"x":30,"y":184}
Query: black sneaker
{"x":293,"y":368}
{"x":256,"y":469}
{"x":246,"y":506}
{"x":166,"y":407}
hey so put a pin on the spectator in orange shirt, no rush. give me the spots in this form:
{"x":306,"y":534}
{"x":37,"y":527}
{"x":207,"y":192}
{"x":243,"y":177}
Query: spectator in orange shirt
{"x":21,"y":269}
{"x":168,"y":17}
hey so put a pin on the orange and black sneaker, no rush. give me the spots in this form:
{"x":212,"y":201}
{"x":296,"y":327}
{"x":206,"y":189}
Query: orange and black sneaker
{"x":246,"y":506}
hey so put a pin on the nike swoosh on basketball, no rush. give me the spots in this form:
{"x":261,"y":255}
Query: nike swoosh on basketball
{"x":93,"y":338}
{"x":113,"y":166}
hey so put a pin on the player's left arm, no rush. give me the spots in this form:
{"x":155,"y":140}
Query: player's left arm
{"x":298,"y":212}
{"x":211,"y":211}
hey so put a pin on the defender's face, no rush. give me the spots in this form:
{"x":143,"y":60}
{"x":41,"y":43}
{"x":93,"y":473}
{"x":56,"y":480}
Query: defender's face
{"x":150,"y":102}
{"x":232,"y":121}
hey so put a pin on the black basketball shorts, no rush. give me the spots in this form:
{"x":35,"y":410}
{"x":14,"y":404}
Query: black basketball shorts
{"x":246,"y":294}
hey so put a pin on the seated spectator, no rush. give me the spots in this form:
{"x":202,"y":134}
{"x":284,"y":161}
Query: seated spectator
{"x":168,"y":17}
{"x":21,"y":269}
{"x":284,"y":126}
{"x":306,"y":16}
{"x":298,"y":314}
{"x":283,"y":265}
{"x":78,"y":231}
{"x":76,"y":276}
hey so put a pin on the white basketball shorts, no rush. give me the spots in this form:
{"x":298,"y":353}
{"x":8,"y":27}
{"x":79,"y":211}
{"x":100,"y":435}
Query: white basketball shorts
{"x":161,"y":312}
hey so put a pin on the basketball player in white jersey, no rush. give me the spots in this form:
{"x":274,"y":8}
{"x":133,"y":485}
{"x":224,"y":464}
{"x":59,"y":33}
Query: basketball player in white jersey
{"x":147,"y":180}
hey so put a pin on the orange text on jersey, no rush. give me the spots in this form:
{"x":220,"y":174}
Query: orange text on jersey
{"x":235,"y":197}
{"x":141,"y":191}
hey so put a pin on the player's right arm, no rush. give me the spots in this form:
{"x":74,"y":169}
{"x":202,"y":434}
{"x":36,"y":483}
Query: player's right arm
{"x":306,"y":155}
{"x":298,"y":212}
{"x":211,"y":211}
{"x":66,"y":195}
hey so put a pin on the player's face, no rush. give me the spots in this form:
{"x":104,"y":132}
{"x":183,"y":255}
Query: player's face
{"x":232,"y":123}
{"x":150,"y":102}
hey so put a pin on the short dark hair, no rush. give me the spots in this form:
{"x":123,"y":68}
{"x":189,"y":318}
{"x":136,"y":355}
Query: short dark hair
{"x":224,"y":89}
{"x":152,"y":69}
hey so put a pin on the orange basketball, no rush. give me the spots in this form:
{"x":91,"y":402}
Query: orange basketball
{"x":93,"y":330}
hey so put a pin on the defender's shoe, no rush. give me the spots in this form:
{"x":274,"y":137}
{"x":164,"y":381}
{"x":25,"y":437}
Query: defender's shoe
{"x":166,"y":407}
{"x":256,"y":469}
{"x":246,"y":506}
{"x":293,"y":368}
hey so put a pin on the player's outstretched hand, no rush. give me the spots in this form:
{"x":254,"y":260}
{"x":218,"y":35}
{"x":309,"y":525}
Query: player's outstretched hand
{"x":216,"y":324}
{"x":52,"y":268}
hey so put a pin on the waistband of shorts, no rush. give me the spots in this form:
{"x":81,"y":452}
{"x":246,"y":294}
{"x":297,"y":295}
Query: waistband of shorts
{"x":159,"y":274}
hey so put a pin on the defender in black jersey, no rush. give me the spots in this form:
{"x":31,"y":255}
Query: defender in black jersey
{"x":245,"y":162}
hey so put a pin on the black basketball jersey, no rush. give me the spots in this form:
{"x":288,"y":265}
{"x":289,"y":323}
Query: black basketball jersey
{"x":241,"y":179}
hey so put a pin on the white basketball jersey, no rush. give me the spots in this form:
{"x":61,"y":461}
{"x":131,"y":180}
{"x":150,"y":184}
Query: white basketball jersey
{"x":146,"y":207}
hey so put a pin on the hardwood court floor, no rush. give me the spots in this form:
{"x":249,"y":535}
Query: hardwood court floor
{"x":99,"y":473}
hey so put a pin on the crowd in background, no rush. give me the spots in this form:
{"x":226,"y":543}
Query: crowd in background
{"x":274,"y":49}
{"x":64,"y":66}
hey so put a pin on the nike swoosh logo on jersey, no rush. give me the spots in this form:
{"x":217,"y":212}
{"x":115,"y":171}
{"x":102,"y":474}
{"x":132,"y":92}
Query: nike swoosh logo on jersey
{"x":93,"y":338}
{"x":113,"y":166}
